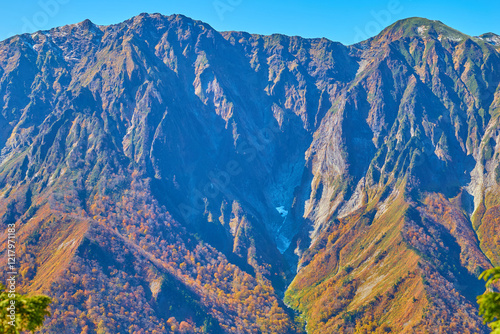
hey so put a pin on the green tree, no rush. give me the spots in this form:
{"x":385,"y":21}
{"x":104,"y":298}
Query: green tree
{"x":20,"y":313}
{"x":489,"y":302}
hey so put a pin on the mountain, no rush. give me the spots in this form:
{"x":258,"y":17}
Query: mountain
{"x":165,"y":177}
{"x":491,"y":38}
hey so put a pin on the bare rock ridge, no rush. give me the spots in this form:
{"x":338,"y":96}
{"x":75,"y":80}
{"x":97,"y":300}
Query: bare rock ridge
{"x":166,"y":177}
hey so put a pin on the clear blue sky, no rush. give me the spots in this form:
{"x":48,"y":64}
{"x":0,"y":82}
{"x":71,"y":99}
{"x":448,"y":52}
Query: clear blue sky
{"x":347,"y":21}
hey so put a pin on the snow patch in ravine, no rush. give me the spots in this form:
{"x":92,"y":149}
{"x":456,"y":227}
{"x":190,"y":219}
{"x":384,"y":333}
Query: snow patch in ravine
{"x":281,"y":210}
{"x":282,"y":243}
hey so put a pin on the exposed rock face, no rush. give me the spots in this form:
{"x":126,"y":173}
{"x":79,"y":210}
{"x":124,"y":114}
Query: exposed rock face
{"x":204,"y":175}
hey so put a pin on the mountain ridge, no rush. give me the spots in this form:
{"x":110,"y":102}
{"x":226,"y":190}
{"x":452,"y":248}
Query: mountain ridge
{"x":144,"y":14}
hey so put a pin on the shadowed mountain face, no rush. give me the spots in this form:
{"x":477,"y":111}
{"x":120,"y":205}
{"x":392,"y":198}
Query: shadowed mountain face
{"x":165,"y":177}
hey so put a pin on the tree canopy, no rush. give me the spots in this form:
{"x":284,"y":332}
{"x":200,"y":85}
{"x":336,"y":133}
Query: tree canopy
{"x":489,"y":302}
{"x":20,"y":313}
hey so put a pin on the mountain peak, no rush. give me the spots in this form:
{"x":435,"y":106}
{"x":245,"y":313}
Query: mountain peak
{"x":421,"y":28}
{"x":86,"y":24}
{"x":491,"y":38}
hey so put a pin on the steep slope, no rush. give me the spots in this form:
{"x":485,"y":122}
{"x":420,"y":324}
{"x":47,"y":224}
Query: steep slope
{"x":114,"y":140}
{"x":159,"y":163}
{"x":392,"y":234}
